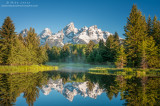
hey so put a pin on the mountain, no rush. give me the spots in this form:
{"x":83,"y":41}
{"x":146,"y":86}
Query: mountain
{"x":70,"y":34}
{"x":70,"y":90}
{"x":44,"y":35}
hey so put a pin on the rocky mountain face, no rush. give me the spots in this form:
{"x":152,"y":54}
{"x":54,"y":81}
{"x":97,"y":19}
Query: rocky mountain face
{"x":70,"y":34}
{"x":69,"y":90}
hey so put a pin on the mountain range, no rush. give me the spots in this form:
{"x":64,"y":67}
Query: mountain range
{"x":70,"y":34}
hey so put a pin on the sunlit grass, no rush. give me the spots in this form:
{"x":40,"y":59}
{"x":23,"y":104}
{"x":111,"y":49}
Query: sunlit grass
{"x":23,"y":69}
{"x":124,"y":71}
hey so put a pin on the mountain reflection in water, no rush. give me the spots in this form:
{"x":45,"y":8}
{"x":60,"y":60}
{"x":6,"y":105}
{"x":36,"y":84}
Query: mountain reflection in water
{"x":69,"y":90}
{"x":144,"y":90}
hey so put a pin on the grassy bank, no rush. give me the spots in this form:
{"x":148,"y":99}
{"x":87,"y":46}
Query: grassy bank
{"x":124,"y":71}
{"x":24,"y":69}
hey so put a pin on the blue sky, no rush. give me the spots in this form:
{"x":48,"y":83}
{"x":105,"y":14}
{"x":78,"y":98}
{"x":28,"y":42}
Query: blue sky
{"x":108,"y":15}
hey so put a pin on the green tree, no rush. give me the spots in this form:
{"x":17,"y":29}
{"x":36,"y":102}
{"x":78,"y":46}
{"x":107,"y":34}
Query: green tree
{"x":110,"y":50}
{"x":101,"y":44}
{"x":156,"y":33}
{"x":18,"y":54}
{"x":7,"y":39}
{"x":116,"y":38}
{"x":149,"y":53}
{"x":101,"y":51}
{"x":135,"y":33}
{"x":144,"y":63}
{"x":32,"y":43}
{"x":149,"y":26}
{"x":65,"y":52}
{"x":98,"y":58}
{"x":42,"y":53}
{"x":89,"y":48}
{"x":90,"y":58}
{"x":156,"y":30}
{"x":121,"y":58}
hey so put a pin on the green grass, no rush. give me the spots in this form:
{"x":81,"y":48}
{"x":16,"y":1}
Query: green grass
{"x":124,"y":71}
{"x":24,"y":69}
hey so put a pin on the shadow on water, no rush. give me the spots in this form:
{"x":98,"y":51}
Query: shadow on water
{"x":141,"y":90}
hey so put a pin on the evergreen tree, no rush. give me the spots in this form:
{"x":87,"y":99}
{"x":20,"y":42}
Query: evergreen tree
{"x":144,"y":63}
{"x":156,"y":32}
{"x":116,"y":37}
{"x":91,"y":57}
{"x":98,"y":58}
{"x":116,"y":42}
{"x":65,"y":52}
{"x":102,"y":51}
{"x":135,"y":33}
{"x":32,"y":43}
{"x":121,"y":58}
{"x":110,"y":50}
{"x":7,"y":39}
{"x":149,"y":26}
{"x":19,"y":53}
{"x":152,"y":53}
{"x":101,"y":44}
{"x":89,"y":48}
{"x":42,"y":55}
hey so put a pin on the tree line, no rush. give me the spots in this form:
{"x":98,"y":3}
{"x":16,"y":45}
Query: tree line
{"x":18,"y":50}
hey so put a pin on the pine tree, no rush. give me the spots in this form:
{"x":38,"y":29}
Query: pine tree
{"x":101,"y":51}
{"x":156,"y":32}
{"x":149,"y":26}
{"x":144,"y":63}
{"x":7,"y":39}
{"x":135,"y":33}
{"x":101,"y":44}
{"x":111,"y":49}
{"x":91,"y":57}
{"x":19,"y":53}
{"x":149,"y":53}
{"x":98,"y":58}
{"x":116,"y":42}
{"x":152,"y":53}
{"x":89,"y":48}
{"x":116,"y":38}
{"x":65,"y":52}
{"x":121,"y":58}
{"x":32,"y":42}
{"x":42,"y":53}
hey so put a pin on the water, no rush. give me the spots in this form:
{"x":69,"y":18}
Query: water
{"x":78,"y":88}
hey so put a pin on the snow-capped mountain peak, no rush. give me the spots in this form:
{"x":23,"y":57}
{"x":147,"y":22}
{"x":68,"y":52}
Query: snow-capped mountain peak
{"x":45,"y":33}
{"x":70,"y":34}
{"x":70,"y":28}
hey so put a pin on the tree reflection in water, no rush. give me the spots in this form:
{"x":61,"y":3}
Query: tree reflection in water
{"x":134,"y":90}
